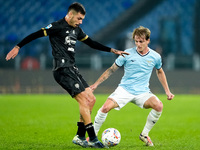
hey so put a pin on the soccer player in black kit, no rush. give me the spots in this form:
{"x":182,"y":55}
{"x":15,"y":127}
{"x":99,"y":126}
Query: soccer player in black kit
{"x":63,"y":35}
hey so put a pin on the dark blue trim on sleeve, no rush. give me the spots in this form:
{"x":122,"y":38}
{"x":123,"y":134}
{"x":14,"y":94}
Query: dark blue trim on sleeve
{"x":159,"y":68}
{"x":117,"y":65}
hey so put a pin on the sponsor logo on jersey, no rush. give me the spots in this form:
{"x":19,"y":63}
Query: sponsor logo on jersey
{"x":71,"y":49}
{"x":70,"y":42}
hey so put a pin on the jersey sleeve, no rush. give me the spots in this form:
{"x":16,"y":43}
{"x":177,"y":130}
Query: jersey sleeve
{"x":48,"y":30}
{"x":120,"y":61}
{"x":81,"y":35}
{"x":52,"y":28}
{"x":158,"y":62}
{"x":96,"y":45}
{"x":30,"y":38}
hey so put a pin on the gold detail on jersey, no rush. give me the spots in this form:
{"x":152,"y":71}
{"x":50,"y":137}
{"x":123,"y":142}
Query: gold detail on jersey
{"x":149,"y":61}
{"x":45,"y":32}
{"x":83,"y":39}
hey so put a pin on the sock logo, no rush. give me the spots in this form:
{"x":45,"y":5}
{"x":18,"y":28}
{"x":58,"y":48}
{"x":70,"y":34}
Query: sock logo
{"x":88,"y":126}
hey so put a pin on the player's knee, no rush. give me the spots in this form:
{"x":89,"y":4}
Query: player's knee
{"x":93,"y":100}
{"x":105,"y":109}
{"x":90,"y":96}
{"x":159,"y":107}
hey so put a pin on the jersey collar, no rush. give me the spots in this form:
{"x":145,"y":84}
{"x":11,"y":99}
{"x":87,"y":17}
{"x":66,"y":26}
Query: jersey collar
{"x":144,"y":54}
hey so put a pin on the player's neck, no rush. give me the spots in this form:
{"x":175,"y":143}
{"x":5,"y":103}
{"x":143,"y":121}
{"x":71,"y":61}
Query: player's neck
{"x":67,"y":19}
{"x":143,"y":52}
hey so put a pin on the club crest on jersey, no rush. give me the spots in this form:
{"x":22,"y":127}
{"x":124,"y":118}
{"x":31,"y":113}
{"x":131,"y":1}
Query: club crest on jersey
{"x":49,"y":26}
{"x":149,"y":62}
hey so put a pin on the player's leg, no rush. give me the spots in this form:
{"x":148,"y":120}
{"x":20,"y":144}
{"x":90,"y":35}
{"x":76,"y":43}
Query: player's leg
{"x":154,"y":115}
{"x":75,"y":85}
{"x":81,"y":127}
{"x":118,"y":99}
{"x":103,"y":112}
{"x":91,"y":97}
{"x":86,"y":102}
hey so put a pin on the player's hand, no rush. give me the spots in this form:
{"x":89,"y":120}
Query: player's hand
{"x":93,"y":87}
{"x":13,"y":53}
{"x":122,"y":53}
{"x":170,"y":96}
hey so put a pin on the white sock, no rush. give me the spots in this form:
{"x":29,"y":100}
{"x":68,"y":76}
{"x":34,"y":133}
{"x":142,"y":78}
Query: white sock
{"x":151,"y":120}
{"x":99,"y":120}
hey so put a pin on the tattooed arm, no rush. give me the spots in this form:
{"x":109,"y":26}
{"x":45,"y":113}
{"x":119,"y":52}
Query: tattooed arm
{"x":104,"y":76}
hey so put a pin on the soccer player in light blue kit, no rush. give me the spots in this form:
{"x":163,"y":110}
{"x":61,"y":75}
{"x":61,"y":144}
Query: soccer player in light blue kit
{"x":134,"y":85}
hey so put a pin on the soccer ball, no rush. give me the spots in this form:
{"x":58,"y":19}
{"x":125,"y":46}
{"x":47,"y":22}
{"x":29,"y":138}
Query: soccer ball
{"x":111,"y":137}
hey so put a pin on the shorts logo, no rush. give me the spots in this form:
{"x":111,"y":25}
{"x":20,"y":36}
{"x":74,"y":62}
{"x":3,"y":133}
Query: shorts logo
{"x":77,"y":85}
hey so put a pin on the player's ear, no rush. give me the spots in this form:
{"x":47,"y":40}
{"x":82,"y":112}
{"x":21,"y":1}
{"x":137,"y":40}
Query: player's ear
{"x":70,"y":14}
{"x":148,"y":40}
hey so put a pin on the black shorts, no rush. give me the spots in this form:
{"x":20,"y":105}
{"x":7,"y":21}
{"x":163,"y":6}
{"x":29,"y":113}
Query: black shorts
{"x":71,"y":80}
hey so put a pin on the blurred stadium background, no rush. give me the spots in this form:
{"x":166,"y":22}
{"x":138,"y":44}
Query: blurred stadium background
{"x":175,"y":27}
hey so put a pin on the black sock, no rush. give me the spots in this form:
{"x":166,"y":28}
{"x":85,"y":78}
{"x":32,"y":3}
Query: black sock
{"x":81,"y":130}
{"x":90,"y":130}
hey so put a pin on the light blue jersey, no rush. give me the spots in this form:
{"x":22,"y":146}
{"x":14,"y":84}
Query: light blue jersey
{"x":138,"y":69}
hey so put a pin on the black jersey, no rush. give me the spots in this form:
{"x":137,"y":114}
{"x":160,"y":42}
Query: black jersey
{"x":63,"y":38}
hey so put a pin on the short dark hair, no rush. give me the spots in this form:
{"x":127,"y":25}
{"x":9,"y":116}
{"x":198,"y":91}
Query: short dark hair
{"x":78,"y":7}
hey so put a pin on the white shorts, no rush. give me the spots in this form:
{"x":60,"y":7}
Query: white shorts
{"x":122,"y":97}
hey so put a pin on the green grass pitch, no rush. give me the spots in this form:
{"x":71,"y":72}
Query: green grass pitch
{"x":48,"y":122}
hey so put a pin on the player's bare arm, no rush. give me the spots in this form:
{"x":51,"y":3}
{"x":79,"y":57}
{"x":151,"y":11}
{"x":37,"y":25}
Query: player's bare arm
{"x":163,"y":80}
{"x":105,"y":76}
{"x":122,"y":53}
